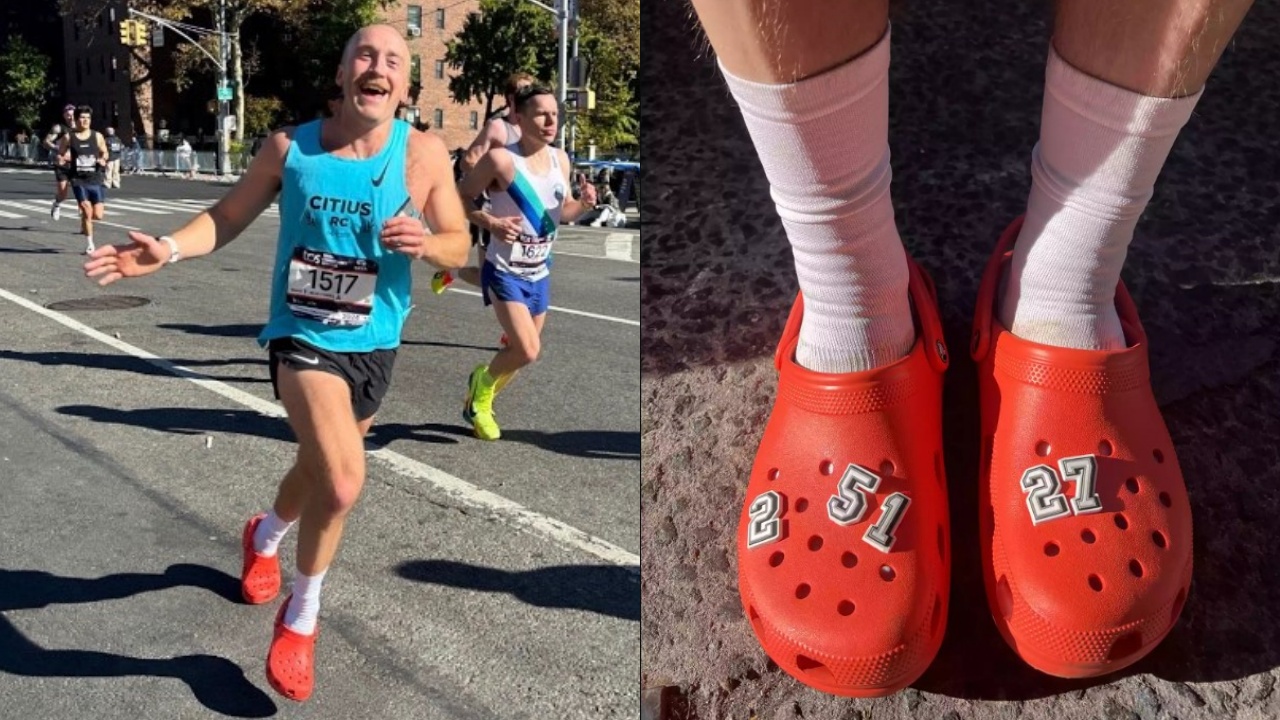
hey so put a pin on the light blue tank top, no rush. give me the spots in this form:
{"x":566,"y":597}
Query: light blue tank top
{"x":334,"y":285}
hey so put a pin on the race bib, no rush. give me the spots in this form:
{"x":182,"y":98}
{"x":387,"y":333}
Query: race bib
{"x":332,"y":289}
{"x":86,"y":163}
{"x":529,"y":251}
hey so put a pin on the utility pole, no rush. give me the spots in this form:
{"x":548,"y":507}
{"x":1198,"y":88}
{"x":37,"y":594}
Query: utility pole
{"x":224,"y":142}
{"x":562,"y":8}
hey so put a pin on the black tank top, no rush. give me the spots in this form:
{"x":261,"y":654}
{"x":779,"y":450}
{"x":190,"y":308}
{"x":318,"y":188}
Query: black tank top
{"x":84,"y":160}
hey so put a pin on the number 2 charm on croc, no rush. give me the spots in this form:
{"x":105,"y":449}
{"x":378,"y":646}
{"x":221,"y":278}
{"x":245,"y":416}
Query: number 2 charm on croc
{"x":1085,"y":522}
{"x":843,"y":541}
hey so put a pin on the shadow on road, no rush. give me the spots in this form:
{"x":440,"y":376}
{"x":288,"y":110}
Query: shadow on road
{"x":128,"y":363}
{"x":188,"y":421}
{"x":606,"y":589}
{"x":608,"y":444}
{"x":20,"y":251}
{"x":241,"y":330}
{"x":217,"y":683}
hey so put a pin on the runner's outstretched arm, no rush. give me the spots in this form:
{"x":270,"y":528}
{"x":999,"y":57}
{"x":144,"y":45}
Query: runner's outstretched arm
{"x":208,"y":230}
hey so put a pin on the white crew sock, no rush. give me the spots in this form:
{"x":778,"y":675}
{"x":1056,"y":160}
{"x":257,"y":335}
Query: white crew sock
{"x":304,"y":605}
{"x":824,"y":145}
{"x":269,"y":533}
{"x":1101,"y":148}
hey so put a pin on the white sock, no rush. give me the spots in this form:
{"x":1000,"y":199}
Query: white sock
{"x":304,"y":606}
{"x":824,"y":145}
{"x":1101,"y":148}
{"x":269,"y":533}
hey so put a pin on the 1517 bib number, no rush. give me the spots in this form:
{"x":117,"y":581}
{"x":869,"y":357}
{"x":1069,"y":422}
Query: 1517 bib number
{"x":331,"y":289}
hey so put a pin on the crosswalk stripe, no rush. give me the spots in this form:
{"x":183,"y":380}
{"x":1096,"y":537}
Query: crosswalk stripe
{"x":4,"y":214}
{"x":168,"y":204}
{"x":127,"y":205}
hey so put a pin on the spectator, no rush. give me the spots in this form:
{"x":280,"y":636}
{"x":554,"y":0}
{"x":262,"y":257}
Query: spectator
{"x":186,"y":157}
{"x":115,"y":149}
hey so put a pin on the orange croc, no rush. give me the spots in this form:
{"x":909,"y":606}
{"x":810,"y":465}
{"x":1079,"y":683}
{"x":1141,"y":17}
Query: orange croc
{"x":1085,"y":521}
{"x":843,"y":556}
{"x":291,"y":659}
{"x":259,"y":575}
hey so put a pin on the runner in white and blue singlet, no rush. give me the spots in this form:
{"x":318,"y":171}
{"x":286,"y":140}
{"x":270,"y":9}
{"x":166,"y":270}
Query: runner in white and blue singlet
{"x":528,"y":184}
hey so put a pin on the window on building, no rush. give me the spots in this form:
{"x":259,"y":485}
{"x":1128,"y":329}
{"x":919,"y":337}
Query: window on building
{"x":475,"y":120}
{"x":113,"y":68}
{"x":439,"y":69}
{"x":439,"y":118}
{"x":415,"y":19}
{"x":415,"y":70}
{"x":440,"y":18}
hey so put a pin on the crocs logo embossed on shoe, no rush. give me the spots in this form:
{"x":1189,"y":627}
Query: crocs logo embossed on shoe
{"x":765,"y":525}
{"x":942,"y":351}
{"x":849,"y":504}
{"x":1043,"y":486}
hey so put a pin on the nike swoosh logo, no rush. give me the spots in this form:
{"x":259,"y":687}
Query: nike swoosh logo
{"x":307,"y":360}
{"x":377,"y":182}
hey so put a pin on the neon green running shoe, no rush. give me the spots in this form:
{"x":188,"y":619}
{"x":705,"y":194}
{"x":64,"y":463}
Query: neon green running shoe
{"x":441,"y":280}
{"x":478,"y":409}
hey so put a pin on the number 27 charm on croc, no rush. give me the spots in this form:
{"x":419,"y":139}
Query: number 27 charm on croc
{"x":1085,"y":523}
{"x":843,"y":541}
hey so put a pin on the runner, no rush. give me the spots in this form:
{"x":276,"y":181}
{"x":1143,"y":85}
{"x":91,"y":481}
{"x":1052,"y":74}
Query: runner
{"x":84,"y":152}
{"x":352,"y":191}
{"x":498,"y":132}
{"x":61,"y":173}
{"x":529,"y":188}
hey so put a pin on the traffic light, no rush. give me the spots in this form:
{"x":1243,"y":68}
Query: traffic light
{"x":581,"y":99}
{"x":126,"y":32}
{"x":141,"y":34}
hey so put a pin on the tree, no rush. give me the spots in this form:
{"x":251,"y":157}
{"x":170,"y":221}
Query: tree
{"x":609,"y":39}
{"x":505,"y":36}
{"x":324,"y":29}
{"x":23,"y":70}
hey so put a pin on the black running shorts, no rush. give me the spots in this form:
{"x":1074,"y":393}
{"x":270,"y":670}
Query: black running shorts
{"x":368,"y":374}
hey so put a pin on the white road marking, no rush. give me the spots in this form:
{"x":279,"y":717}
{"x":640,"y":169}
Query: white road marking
{"x":583,"y":313}
{"x":136,"y":206}
{"x":459,"y":490}
{"x":4,"y":214}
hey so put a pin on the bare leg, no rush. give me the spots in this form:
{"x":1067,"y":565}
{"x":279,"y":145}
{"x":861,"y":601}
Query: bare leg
{"x":86,"y":219}
{"x":469,"y":275}
{"x":769,"y":41}
{"x":1153,"y":47}
{"x":524,"y":343}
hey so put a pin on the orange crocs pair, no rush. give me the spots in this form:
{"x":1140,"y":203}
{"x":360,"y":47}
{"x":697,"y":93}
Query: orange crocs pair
{"x":843,"y":540}
{"x":291,"y":659}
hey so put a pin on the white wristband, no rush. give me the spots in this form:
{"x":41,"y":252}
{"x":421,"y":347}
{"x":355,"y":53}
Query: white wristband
{"x":174,"y":254}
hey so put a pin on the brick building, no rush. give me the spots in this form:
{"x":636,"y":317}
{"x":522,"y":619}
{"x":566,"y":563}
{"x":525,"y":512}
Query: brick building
{"x":96,"y":67}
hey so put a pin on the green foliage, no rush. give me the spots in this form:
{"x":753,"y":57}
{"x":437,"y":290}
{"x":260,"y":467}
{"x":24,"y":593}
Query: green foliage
{"x":23,"y":70}
{"x":261,"y":114}
{"x":609,"y":39}
{"x":323,"y":31}
{"x":505,"y":36}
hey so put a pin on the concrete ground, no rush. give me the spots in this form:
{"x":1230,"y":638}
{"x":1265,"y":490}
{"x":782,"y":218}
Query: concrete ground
{"x":1204,"y":268}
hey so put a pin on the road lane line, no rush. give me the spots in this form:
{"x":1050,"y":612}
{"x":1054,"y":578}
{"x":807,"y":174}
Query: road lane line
{"x":135,"y":206}
{"x":583,"y":313}
{"x":10,"y":215}
{"x":455,"y":488}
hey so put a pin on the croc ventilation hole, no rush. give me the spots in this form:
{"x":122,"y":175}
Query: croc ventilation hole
{"x":1088,"y":536}
{"x":1158,"y":538}
{"x":1165,"y":500}
{"x":1051,"y":549}
{"x":827,"y":467}
{"x":1004,"y":597}
{"x":936,"y":622}
{"x":1122,"y":522}
{"x":801,"y":505}
{"x":845,"y":608}
{"x":1132,"y":485}
{"x":886,"y":469}
{"x":802,"y":591}
{"x":815,"y":543}
{"x":1095,"y":582}
{"x":887,"y":573}
{"x":776,"y":559}
{"x":1125,"y":645}
{"x":815,"y":670}
{"x":1104,"y":448}
{"x":1042,"y":448}
{"x":774,"y":473}
{"x":849,"y":560}
{"x":1135,"y":567}
{"x":1159,"y":456}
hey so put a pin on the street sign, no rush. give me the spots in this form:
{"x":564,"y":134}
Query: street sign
{"x":224,"y":92}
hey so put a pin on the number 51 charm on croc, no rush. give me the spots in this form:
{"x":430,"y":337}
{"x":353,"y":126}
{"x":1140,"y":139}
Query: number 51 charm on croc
{"x":843,"y":541}
{"x":1085,"y":521}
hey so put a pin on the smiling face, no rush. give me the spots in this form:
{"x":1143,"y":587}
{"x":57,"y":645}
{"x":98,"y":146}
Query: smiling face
{"x":83,"y":121}
{"x":374,"y":73}
{"x":539,"y":118}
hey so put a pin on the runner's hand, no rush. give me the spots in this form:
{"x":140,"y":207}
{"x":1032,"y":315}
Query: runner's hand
{"x":505,"y":229}
{"x":143,"y":256}
{"x":589,"y":195}
{"x":406,"y":235}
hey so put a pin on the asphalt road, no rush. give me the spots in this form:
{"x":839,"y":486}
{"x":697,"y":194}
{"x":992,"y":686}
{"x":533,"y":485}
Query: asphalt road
{"x":476,"y":580}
